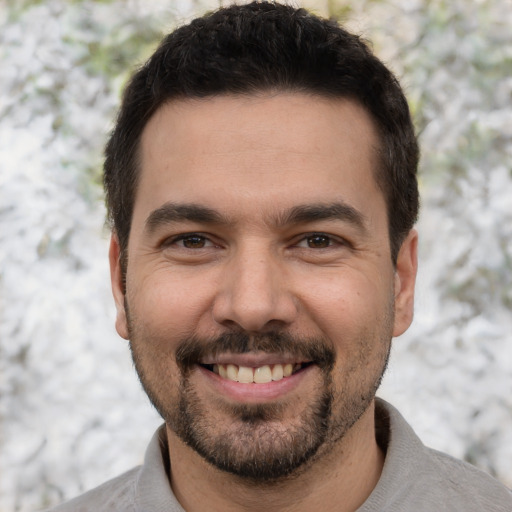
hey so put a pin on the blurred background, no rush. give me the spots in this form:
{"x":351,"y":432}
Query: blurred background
{"x":72,"y":413}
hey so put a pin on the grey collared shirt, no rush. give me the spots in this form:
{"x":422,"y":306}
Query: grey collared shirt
{"x":414,"y":479}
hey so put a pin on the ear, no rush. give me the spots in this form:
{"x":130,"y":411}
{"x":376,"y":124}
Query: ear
{"x":116,"y":277}
{"x":405,"y":280}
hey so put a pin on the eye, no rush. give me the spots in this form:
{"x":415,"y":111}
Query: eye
{"x":316,"y":241}
{"x":190,"y":241}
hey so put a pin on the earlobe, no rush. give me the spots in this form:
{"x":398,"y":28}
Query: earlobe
{"x":405,"y":281}
{"x":117,"y":280}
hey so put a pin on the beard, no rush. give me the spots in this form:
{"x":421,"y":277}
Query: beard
{"x":260,"y":443}
{"x":254,"y":445}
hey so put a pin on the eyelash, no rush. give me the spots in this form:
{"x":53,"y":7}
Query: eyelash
{"x":186,"y":236}
{"x":330,"y":240}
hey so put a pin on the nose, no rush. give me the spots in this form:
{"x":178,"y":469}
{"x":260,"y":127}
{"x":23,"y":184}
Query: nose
{"x":255,"y":293}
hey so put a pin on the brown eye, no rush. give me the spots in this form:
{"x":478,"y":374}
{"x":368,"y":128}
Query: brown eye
{"x":194,"y":242}
{"x":318,"y":241}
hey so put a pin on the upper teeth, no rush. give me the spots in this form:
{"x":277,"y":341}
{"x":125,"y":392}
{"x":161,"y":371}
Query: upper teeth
{"x":259,"y":375}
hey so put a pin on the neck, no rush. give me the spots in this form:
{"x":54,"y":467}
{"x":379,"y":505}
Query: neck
{"x":340,"y":480}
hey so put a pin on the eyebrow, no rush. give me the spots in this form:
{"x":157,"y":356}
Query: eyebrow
{"x":300,"y":214}
{"x":174,"y":212}
{"x":315,"y":212}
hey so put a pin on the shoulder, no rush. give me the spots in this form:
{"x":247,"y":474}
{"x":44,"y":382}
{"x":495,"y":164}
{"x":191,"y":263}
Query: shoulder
{"x":417,"y":478}
{"x":145,"y":488}
{"x":116,"y":495}
{"x":460,"y":482}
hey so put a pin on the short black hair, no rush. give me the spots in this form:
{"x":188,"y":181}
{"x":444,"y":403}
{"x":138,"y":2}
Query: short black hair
{"x":263,"y":46}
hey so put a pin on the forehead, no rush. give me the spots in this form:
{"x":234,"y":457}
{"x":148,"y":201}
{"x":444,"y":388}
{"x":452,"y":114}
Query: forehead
{"x":258,"y":153}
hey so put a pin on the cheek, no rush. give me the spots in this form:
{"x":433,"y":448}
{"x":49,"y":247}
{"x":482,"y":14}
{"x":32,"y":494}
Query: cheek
{"x":350,"y":309}
{"x":167,"y":304}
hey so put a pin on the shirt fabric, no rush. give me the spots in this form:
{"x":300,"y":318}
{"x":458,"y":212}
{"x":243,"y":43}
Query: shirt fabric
{"x":414,"y":479}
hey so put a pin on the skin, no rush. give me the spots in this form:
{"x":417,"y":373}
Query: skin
{"x":256,"y":268}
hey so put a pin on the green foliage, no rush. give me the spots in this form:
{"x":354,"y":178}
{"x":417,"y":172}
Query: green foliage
{"x":79,"y":44}
{"x":338,"y":10}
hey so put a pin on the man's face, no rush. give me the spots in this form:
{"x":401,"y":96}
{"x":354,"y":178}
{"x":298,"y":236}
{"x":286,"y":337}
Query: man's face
{"x":260,"y":293}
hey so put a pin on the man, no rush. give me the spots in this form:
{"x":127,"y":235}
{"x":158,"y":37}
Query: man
{"x":261,"y":182}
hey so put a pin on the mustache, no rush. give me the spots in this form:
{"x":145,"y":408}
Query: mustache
{"x":194,"y":349}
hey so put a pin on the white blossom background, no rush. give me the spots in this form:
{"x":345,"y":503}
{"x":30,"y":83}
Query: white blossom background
{"x":72,"y":413}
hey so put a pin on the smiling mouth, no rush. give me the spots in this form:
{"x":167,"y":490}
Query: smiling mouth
{"x":259,"y":375}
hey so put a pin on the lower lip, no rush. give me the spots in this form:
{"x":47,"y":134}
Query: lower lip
{"x":255,"y":393}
